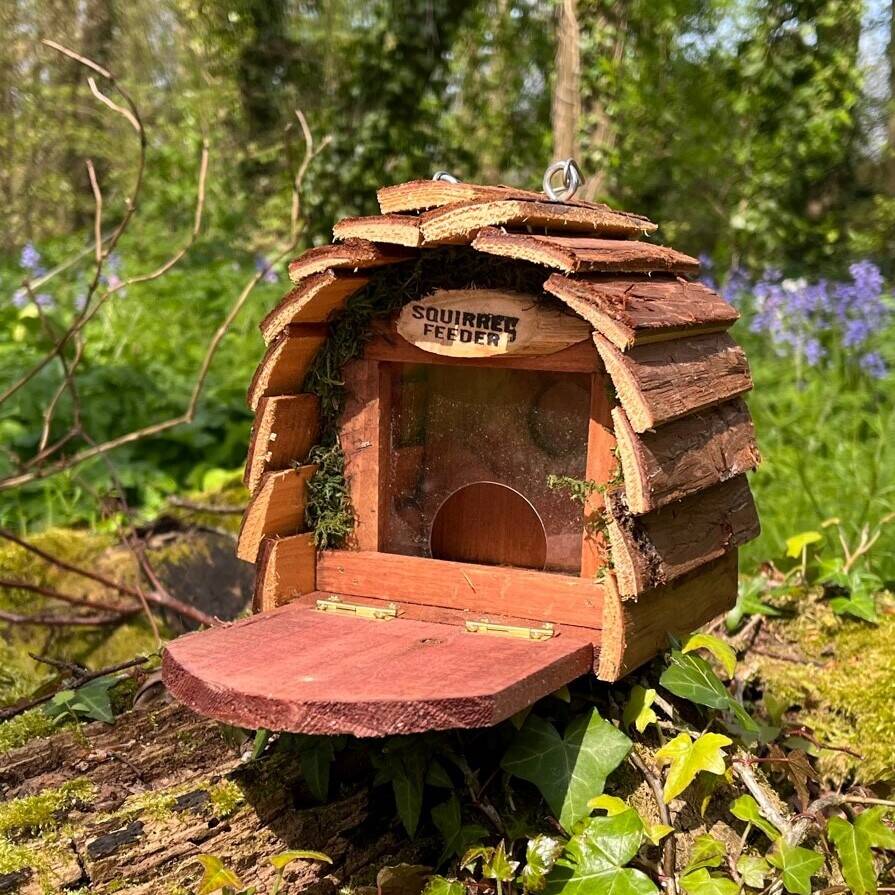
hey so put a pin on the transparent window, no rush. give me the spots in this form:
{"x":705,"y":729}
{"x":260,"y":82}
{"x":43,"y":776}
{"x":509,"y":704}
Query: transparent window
{"x":471,"y":449}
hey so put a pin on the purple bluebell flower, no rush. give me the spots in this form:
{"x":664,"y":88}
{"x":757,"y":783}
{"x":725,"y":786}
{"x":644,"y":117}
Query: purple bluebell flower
{"x":814,"y":352}
{"x":112,"y":275}
{"x":45,"y":300}
{"x":269,"y":275}
{"x":736,"y":284}
{"x":29,"y":260}
{"x":81,"y":301}
{"x":20,"y":298}
{"x":874,"y":365}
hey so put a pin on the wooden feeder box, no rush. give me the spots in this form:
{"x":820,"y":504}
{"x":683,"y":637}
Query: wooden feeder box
{"x":547,"y":340}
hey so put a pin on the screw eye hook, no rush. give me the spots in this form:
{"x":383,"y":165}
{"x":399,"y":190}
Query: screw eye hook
{"x":572,"y":180}
{"x":446,"y":176}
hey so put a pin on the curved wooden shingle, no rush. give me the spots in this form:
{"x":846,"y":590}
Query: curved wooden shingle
{"x":354,"y":254}
{"x":276,"y":508}
{"x":285,"y":429}
{"x":461,"y":221}
{"x":394,"y":229}
{"x":313,"y":300}
{"x":574,"y":254}
{"x":680,"y":458}
{"x":664,"y":381}
{"x":286,"y":570}
{"x":636,"y":630}
{"x":632,"y":311}
{"x":417,"y":195}
{"x":651,"y":550}
{"x":286,"y":362}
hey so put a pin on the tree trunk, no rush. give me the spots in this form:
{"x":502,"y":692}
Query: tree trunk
{"x":167,"y":786}
{"x":567,"y":86}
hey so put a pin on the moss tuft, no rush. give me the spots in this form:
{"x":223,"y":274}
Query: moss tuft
{"x":225,"y":797}
{"x":25,"y":727}
{"x":38,"y":813}
{"x":849,"y":699}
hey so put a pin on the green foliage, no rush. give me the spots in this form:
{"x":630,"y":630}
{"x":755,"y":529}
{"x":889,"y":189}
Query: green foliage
{"x":541,"y":853}
{"x":746,"y":808}
{"x":720,"y":649}
{"x":32,"y":814}
{"x":701,"y":882}
{"x":316,"y":755}
{"x":457,"y":836}
{"x":568,"y":769}
{"x":218,"y":877}
{"x":638,"y":709}
{"x":90,"y":702}
{"x":688,"y":757}
{"x":796,"y":864}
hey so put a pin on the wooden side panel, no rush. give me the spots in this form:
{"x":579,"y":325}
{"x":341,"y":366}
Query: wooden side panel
{"x":460,"y":221}
{"x":277,"y":508}
{"x":353,"y":254}
{"x":312,"y":301}
{"x":285,"y":364}
{"x":361,"y":430}
{"x":539,"y":596}
{"x":285,"y":429}
{"x":601,"y":468}
{"x":651,"y":550}
{"x":661,"y":382}
{"x":636,"y":631}
{"x":307,"y":671}
{"x":632,"y":311}
{"x":287,"y":569}
{"x":395,"y":229}
{"x":583,"y":254}
{"x":685,"y":456}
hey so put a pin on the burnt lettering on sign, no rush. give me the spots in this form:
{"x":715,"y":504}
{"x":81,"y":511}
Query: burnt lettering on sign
{"x":448,"y":324}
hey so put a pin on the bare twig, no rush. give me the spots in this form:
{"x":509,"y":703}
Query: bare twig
{"x":81,"y":679}
{"x":73,"y":600}
{"x":669,"y":858}
{"x":204,"y":507}
{"x":62,"y":621}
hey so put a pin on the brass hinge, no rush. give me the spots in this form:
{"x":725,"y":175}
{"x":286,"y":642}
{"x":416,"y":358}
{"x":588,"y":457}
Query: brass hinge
{"x":486,"y":627}
{"x":336,"y":604}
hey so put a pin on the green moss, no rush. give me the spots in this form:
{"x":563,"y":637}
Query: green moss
{"x":226,"y":797}
{"x":14,"y":857}
{"x":24,"y":728}
{"x":37,"y":813}
{"x":849,"y":699}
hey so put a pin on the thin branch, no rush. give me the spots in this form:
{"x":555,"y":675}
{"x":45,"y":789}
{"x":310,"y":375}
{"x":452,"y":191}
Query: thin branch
{"x":125,"y":113}
{"x":204,"y":507}
{"x":51,"y":593}
{"x":98,"y":210}
{"x":88,"y":621}
{"x":669,"y":857}
{"x":12,"y":711}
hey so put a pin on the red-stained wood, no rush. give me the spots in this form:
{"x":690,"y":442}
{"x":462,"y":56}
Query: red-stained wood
{"x":395,"y":229}
{"x":285,"y":429}
{"x":302,"y":670}
{"x":353,"y":254}
{"x":600,"y":469}
{"x":661,"y":382}
{"x":286,"y":362}
{"x":276,"y":508}
{"x":685,"y":456}
{"x":313,"y":300}
{"x":490,"y":524}
{"x":539,"y":596}
{"x":417,"y":195}
{"x":388,"y":345}
{"x":574,"y":254}
{"x":460,"y":221}
{"x":635,"y":310}
{"x":651,"y":550}
{"x":362,"y":429}
{"x":637,"y":630}
{"x":286,"y":571}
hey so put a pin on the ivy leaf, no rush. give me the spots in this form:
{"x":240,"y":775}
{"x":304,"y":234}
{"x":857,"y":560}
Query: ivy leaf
{"x":797,"y":865}
{"x":746,"y":808}
{"x":688,"y":757}
{"x":691,"y":677}
{"x":656,"y":832}
{"x":855,"y":858}
{"x":403,"y":763}
{"x":284,"y":859}
{"x":638,"y":709}
{"x":870,"y":822}
{"x":215,"y":876}
{"x":612,"y":805}
{"x":571,"y":769}
{"x":861,"y":604}
{"x":594,"y":860}
{"x":707,"y":852}
{"x":754,"y":870}
{"x":457,"y":836}
{"x":701,"y":882}
{"x":316,"y":759}
{"x":540,"y":856}
{"x":498,"y":866}
{"x":722,"y":651}
{"x":439,"y":885}
{"x":797,"y":543}
{"x":262,"y":736}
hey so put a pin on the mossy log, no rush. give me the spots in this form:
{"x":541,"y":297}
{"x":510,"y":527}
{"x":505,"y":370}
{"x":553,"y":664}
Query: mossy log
{"x":161,"y":786}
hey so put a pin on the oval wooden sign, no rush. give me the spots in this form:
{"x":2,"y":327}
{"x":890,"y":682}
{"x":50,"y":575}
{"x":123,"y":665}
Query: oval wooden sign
{"x":488,"y":322}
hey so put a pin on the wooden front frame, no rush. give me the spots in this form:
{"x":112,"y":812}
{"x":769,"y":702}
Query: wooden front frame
{"x":365,"y":442}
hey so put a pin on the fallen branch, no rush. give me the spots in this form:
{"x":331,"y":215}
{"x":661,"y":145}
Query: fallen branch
{"x":51,"y":593}
{"x":669,"y":847}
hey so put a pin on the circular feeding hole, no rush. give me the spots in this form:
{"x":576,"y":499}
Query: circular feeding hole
{"x":489,"y":523}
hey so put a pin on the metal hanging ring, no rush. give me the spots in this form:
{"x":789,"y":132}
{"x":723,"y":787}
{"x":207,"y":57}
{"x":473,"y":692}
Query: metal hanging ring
{"x":446,"y":176}
{"x":572,"y":179}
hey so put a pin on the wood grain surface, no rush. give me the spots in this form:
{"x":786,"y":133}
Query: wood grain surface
{"x":352,"y":254}
{"x":286,"y":362}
